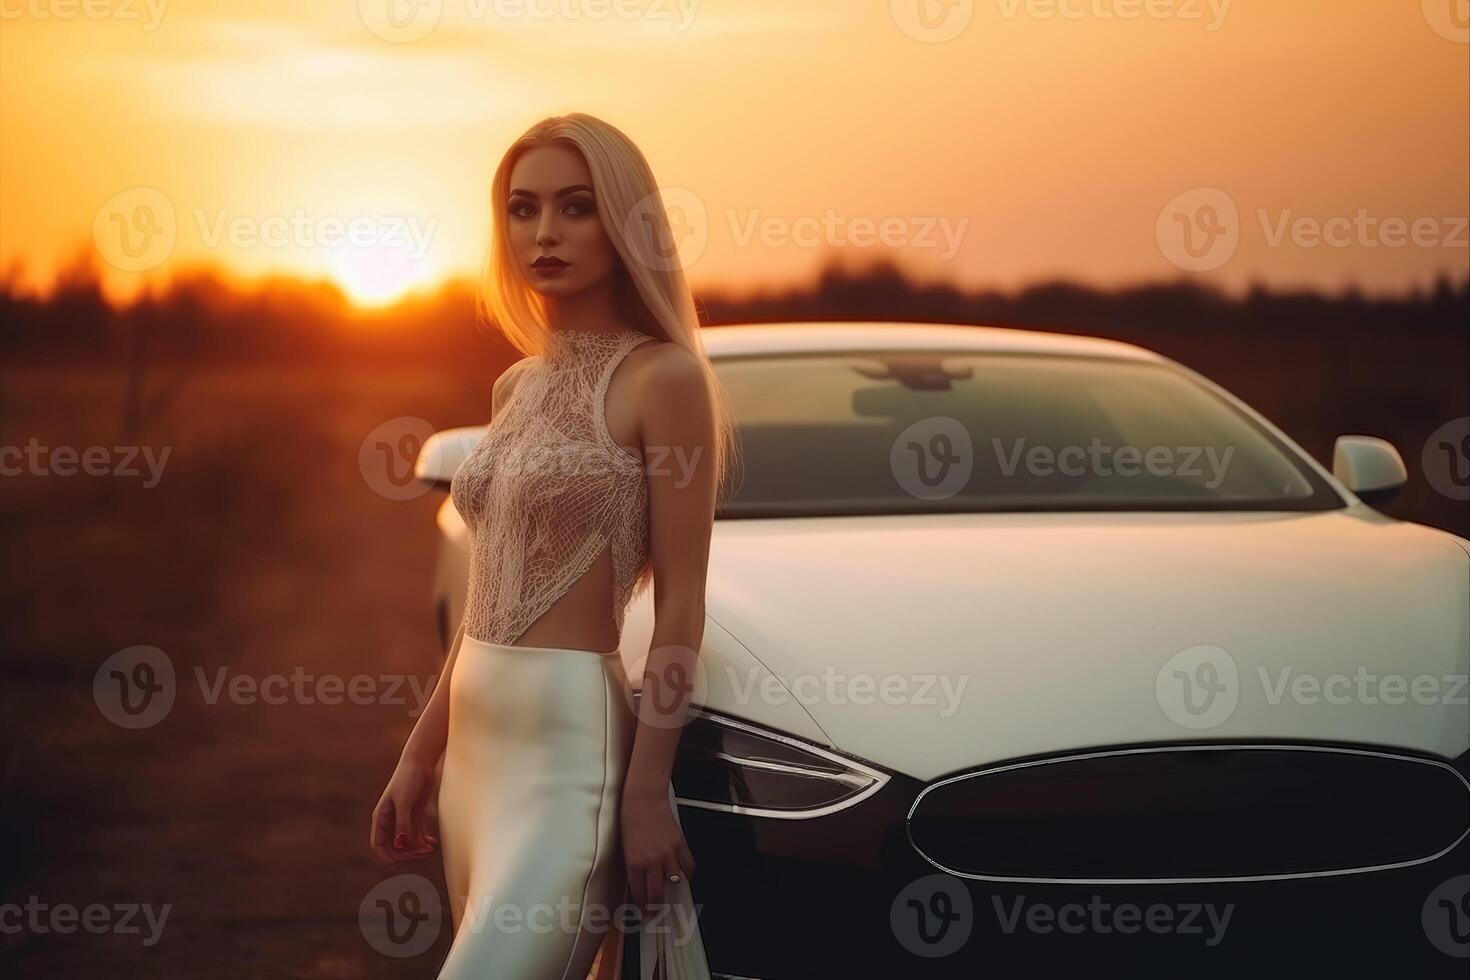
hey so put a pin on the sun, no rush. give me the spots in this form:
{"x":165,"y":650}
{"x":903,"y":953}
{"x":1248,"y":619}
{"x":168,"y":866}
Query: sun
{"x":378,"y":275}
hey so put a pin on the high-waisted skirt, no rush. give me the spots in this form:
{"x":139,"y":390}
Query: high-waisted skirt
{"x":539,"y":742}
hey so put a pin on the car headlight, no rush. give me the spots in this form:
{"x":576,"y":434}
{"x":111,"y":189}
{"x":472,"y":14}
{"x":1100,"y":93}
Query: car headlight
{"x":731,"y":765}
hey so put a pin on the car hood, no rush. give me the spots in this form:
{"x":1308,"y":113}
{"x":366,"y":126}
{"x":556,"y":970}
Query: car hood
{"x":931,"y":644}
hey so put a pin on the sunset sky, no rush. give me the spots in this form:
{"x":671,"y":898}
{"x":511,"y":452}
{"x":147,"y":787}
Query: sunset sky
{"x":1077,"y":138}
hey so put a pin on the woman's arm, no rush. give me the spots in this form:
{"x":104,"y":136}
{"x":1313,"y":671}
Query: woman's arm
{"x":677,"y":424}
{"x":431,"y":732}
{"x":397,"y":831}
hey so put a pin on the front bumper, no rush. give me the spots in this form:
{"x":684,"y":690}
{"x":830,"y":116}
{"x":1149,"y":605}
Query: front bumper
{"x":847,"y":894}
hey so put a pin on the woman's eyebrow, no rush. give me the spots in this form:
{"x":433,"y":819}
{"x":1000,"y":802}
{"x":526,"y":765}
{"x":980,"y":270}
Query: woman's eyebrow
{"x":521,"y":192}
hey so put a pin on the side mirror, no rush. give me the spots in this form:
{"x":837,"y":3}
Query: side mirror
{"x":443,"y":452}
{"x":1370,"y":467}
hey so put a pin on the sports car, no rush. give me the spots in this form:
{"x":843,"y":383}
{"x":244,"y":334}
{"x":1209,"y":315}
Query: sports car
{"x":1038,"y":651}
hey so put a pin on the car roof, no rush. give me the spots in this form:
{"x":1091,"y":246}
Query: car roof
{"x":744,"y":339}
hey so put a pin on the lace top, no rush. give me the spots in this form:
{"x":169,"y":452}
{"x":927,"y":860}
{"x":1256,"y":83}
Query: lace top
{"x":547,"y":489}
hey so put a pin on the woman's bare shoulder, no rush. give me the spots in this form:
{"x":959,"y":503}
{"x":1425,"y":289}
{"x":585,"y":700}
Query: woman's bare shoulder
{"x":667,"y":373}
{"x":665,"y":362}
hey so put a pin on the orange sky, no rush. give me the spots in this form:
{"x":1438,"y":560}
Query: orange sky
{"x":1045,"y":137}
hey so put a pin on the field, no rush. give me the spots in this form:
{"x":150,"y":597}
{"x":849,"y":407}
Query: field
{"x":248,"y":520}
{"x":262,"y":551}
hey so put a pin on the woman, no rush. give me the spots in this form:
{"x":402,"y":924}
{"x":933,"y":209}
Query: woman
{"x":609,"y":449}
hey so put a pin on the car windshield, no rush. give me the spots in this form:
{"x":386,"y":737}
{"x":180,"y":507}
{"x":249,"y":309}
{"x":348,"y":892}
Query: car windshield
{"x":893,"y":432}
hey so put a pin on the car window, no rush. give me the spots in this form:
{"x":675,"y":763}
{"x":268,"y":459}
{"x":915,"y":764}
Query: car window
{"x":914,"y":431}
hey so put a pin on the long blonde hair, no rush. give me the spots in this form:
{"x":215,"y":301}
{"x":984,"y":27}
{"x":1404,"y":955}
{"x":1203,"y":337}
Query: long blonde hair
{"x":649,"y":284}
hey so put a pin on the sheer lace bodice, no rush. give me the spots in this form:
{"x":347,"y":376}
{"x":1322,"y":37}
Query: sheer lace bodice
{"x":547,"y":490}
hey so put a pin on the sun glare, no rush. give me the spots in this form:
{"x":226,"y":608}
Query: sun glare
{"x":378,"y":276}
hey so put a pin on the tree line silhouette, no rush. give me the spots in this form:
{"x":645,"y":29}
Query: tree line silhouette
{"x":1318,"y":364}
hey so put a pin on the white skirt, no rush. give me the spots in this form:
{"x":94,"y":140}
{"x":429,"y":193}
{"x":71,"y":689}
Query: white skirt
{"x":539,"y":742}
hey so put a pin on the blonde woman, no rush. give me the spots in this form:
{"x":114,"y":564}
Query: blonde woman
{"x":555,"y":804}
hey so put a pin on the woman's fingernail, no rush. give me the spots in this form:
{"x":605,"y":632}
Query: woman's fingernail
{"x":399,"y":841}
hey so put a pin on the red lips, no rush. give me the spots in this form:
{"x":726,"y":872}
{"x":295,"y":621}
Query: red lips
{"x":549,"y":262}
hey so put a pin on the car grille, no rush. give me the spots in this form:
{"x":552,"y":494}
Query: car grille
{"x":1192,"y":813}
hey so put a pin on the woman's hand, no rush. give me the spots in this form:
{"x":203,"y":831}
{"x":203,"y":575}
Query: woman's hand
{"x":397,"y":833}
{"x":653,"y":848}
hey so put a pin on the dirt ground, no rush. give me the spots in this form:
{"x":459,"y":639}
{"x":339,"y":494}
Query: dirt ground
{"x":263,"y":551}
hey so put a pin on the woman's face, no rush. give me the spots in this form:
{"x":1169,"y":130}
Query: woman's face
{"x":551,"y":214}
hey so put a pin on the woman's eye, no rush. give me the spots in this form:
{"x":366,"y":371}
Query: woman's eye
{"x":575,"y":208}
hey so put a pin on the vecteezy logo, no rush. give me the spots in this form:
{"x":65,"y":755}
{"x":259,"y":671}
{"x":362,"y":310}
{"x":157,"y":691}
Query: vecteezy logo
{"x":135,"y":230}
{"x":1198,"y":687}
{"x":400,"y":21}
{"x":401,"y":916}
{"x":933,"y":916}
{"x":673,"y":692}
{"x":932,"y":21}
{"x":677,"y":244}
{"x":135,"y":688}
{"x":1446,"y":459}
{"x":1199,"y":230}
{"x":388,"y":455}
{"x":1446,"y":917}
{"x":1449,"y":18}
{"x":933,"y":458}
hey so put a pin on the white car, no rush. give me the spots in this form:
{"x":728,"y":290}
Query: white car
{"x":1010,"y":632}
